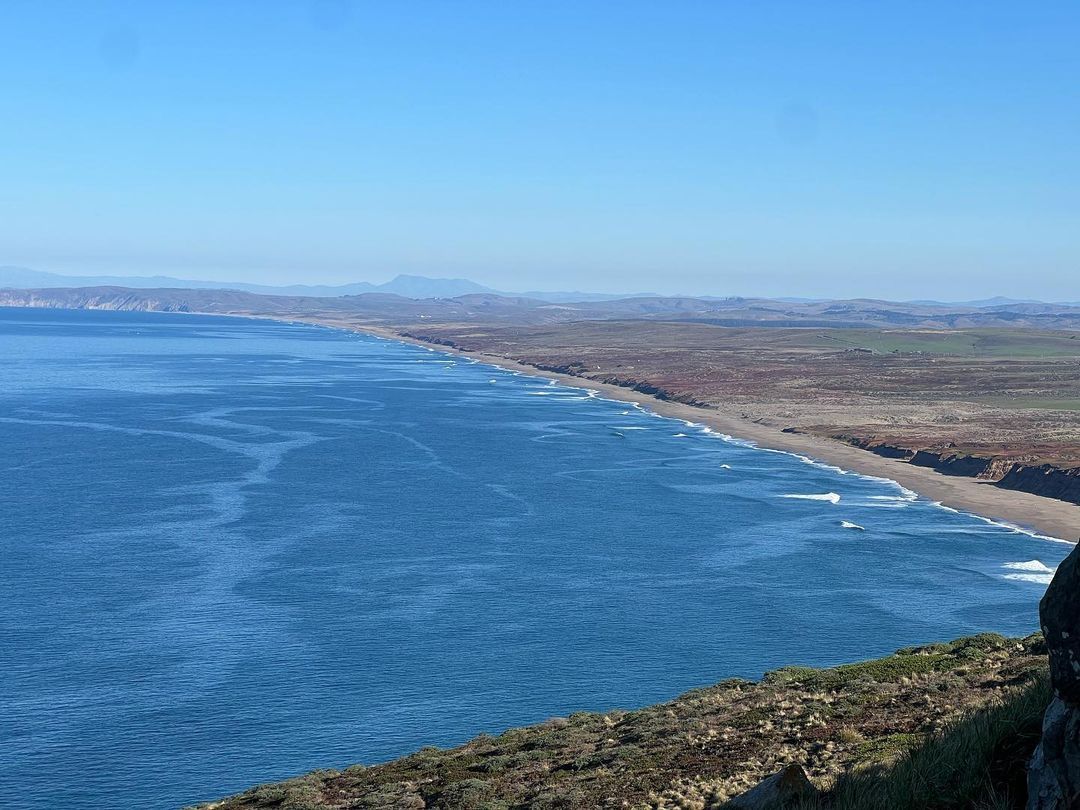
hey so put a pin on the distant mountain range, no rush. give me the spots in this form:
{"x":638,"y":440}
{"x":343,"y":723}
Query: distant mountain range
{"x":996,"y":301}
{"x":489,"y":308}
{"x":407,"y":286}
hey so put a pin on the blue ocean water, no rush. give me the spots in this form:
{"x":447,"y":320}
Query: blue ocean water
{"x":232,"y":551}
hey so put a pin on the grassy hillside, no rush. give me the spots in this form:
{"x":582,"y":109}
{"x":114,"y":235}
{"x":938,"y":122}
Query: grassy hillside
{"x":1000,"y":343}
{"x":942,"y":726}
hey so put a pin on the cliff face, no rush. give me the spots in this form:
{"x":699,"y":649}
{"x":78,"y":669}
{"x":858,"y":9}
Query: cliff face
{"x":1047,"y":480}
{"x":105,"y":298}
{"x":1054,"y":773}
{"x":125,"y":300}
{"x":1044,"y":479}
{"x":951,"y":463}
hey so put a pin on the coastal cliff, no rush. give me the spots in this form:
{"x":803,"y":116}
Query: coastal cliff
{"x":1054,"y":773}
{"x":1043,"y":479}
{"x":945,"y":725}
{"x":1017,"y":468}
{"x":1047,"y":480}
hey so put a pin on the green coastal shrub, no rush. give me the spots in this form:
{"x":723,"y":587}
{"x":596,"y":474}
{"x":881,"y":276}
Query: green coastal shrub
{"x":976,"y":764}
{"x":906,"y":663}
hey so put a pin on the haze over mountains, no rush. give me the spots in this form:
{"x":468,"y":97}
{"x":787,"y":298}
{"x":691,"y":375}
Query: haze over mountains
{"x":407,"y":286}
{"x":390,"y":308}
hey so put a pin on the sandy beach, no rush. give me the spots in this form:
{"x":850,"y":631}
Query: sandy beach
{"x":1046,"y":516}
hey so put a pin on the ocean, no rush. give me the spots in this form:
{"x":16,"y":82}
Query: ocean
{"x":236,"y":550}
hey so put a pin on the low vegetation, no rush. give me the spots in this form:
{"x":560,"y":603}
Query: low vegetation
{"x":941,"y":726}
{"x":978,"y":762}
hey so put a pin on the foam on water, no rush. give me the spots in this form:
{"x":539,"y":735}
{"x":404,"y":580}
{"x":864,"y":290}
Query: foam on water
{"x":1020,"y":529}
{"x":1030,"y":571}
{"x":831,"y":497}
{"x":901,"y":501}
{"x":1030,"y":565}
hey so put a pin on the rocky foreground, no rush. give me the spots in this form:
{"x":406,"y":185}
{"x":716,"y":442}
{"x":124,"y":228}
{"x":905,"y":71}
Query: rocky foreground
{"x":712,"y":744}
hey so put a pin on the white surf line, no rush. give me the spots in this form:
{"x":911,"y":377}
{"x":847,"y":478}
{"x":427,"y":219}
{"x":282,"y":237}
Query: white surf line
{"x":593,"y":393}
{"x":1013,"y":527}
{"x":906,"y":494}
{"x":831,"y":497}
{"x":1029,"y":571}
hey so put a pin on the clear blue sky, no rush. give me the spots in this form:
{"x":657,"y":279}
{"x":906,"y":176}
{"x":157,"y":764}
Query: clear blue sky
{"x":834,"y":149}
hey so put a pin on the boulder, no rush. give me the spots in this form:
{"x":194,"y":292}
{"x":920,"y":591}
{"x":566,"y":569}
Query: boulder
{"x":1059,"y":614}
{"x":776,"y":791}
{"x":1054,"y":772}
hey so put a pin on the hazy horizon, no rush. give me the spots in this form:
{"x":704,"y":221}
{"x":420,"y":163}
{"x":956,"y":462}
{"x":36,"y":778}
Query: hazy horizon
{"x":382,"y":280}
{"x":825,"y":151}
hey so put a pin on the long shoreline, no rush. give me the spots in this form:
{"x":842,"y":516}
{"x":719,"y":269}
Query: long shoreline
{"x":1054,"y":519}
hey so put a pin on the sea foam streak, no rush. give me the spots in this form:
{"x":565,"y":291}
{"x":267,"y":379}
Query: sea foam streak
{"x":901,"y":501}
{"x":1030,"y":571}
{"x":1030,"y":565}
{"x":831,"y":497}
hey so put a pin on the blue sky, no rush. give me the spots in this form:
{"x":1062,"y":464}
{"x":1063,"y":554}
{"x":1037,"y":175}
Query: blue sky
{"x":822,"y":149}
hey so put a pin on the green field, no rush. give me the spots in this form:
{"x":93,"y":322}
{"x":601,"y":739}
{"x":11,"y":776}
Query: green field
{"x":1025,"y":343}
{"x":1031,"y":402}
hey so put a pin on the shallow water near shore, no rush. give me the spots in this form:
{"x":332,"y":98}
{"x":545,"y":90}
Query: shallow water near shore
{"x":237,"y":550}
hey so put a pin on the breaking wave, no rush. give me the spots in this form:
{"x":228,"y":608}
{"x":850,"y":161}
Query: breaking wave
{"x":1030,"y":571}
{"x":831,"y":497}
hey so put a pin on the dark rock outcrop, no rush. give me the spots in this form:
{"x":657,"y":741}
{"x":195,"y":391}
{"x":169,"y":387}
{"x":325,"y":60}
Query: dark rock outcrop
{"x":1048,"y":480}
{"x":1043,"y":479}
{"x":948,"y":463}
{"x":1059,"y":614}
{"x":889,"y":451}
{"x":1054,"y":774}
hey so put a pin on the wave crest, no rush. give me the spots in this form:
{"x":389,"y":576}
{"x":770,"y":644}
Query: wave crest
{"x":831,"y":497}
